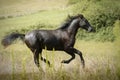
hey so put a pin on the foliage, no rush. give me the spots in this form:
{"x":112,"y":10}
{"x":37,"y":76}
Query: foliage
{"x":116,"y":31}
{"x":102,"y":14}
{"x":104,"y":35}
{"x":73,"y":1}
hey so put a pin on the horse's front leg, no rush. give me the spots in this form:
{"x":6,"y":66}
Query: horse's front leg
{"x":70,"y":52}
{"x":81,"y":57}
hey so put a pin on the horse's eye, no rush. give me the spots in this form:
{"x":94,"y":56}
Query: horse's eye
{"x":82,"y":23}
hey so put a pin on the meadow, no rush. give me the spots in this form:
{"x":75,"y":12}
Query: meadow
{"x":101,"y":50}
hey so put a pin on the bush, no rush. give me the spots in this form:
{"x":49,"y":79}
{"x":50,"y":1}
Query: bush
{"x":116,"y":29}
{"x":101,"y":14}
{"x":116,"y":32}
{"x":73,"y":1}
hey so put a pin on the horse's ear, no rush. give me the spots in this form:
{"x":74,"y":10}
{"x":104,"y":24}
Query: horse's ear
{"x":80,"y":15}
{"x":69,"y":16}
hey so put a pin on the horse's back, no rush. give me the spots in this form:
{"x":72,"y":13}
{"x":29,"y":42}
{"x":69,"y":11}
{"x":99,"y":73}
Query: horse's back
{"x":44,"y":39}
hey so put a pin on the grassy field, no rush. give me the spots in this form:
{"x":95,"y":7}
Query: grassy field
{"x":102,"y":63}
{"x":37,"y":17}
{"x":16,"y":61}
{"x":13,"y":8}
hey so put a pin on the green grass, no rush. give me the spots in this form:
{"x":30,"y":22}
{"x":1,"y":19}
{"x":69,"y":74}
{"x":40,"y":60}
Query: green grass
{"x":13,"y":8}
{"x":15,"y":15}
{"x":46,"y":19}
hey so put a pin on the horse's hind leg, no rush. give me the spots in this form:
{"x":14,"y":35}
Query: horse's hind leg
{"x":71,"y":51}
{"x":36,"y":56}
{"x":46,"y":61}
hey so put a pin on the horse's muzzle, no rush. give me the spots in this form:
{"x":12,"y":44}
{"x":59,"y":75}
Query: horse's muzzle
{"x":91,"y":29}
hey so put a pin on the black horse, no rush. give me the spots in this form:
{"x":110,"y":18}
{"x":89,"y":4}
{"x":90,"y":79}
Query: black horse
{"x":62,"y":39}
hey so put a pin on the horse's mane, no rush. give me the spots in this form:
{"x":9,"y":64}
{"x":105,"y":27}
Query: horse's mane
{"x":69,"y":20}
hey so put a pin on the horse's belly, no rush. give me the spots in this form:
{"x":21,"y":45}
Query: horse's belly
{"x":52,"y":47}
{"x":51,"y":42}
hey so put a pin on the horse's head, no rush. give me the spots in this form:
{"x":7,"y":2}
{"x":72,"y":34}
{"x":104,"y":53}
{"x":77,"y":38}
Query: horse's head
{"x":83,"y":23}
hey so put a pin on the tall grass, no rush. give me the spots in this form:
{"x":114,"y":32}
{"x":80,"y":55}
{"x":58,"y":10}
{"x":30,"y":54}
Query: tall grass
{"x":24,"y":76}
{"x":100,"y":64}
{"x":13,"y":66}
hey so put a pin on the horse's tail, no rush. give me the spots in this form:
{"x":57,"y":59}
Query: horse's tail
{"x":8,"y":39}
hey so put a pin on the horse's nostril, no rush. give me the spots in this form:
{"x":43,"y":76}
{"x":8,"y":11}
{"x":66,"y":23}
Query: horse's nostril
{"x":89,"y":29}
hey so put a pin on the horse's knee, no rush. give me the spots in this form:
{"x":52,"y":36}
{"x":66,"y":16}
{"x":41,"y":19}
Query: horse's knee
{"x":79,"y":53}
{"x":73,"y":56}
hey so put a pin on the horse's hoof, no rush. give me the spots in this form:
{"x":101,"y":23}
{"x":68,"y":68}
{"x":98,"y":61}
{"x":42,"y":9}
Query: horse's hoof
{"x":64,"y":61}
{"x":49,"y":64}
{"x":38,"y":65}
{"x":83,"y":64}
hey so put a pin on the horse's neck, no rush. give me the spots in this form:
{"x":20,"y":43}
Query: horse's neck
{"x":64,"y":26}
{"x":73,"y":28}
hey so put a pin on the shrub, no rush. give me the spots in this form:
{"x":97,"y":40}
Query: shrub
{"x":101,"y":14}
{"x":116,"y":31}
